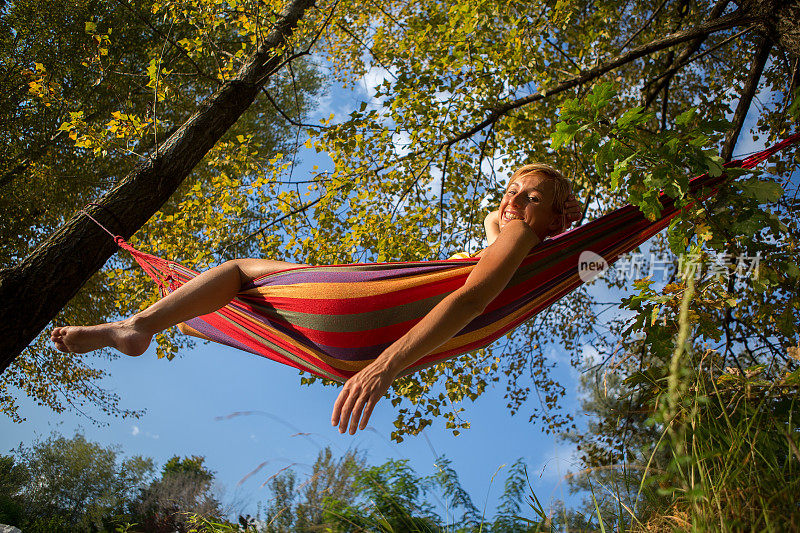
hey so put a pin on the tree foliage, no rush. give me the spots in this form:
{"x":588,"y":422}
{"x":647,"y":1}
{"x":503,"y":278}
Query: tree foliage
{"x":390,"y":499}
{"x":13,"y":477}
{"x":346,"y":494}
{"x":627,"y":98}
{"x":469,"y":91}
{"x":90,"y":91}
{"x":301,"y":506}
{"x":184,"y":491}
{"x":716,"y":449}
{"x":71,"y":484}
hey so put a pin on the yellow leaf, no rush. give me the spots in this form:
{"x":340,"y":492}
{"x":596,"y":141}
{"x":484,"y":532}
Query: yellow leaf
{"x":794,"y":352}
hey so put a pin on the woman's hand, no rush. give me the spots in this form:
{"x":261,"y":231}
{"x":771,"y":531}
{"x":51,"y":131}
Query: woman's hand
{"x":573,"y":211}
{"x":492,"y":226}
{"x":359,"y":396}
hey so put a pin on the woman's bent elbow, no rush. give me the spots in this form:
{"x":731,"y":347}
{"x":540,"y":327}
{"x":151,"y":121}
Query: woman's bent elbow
{"x":472,"y":302}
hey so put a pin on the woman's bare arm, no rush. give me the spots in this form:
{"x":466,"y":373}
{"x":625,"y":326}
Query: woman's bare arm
{"x":492,"y":273}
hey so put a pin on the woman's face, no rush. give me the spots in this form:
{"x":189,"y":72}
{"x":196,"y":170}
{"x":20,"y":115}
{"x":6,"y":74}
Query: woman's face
{"x":530,"y":198}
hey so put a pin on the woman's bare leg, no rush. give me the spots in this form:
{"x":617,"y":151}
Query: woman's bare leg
{"x":203,"y":294}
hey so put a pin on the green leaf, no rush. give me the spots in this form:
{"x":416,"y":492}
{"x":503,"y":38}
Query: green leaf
{"x":619,"y":168}
{"x":762,"y":191}
{"x":676,"y":237}
{"x":603,"y":157}
{"x":714,"y":166}
{"x":633,"y":116}
{"x":564,"y":133}
{"x":794,"y":109}
{"x":601,"y":95}
{"x":747,"y":227}
{"x":786,"y":322}
{"x":686,"y":117}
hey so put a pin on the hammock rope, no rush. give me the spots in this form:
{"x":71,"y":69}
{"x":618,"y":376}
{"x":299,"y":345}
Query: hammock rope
{"x":333,"y":320}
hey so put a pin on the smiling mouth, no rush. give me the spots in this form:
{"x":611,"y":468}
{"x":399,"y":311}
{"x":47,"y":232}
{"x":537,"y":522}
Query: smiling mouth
{"x":511,"y":216}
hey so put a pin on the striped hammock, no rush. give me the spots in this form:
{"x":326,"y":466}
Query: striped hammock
{"x":333,"y":320}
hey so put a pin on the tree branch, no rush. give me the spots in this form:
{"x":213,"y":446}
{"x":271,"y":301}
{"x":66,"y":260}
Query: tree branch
{"x":687,"y":52}
{"x":564,"y":54}
{"x":282,"y":113}
{"x":746,"y":99}
{"x":718,"y":24}
{"x":202,"y":73}
{"x":441,"y":196}
{"x":676,"y":66}
{"x":36,"y":153}
{"x":644,"y":27}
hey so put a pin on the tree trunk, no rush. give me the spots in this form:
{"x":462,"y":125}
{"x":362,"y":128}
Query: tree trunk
{"x":34,"y":291}
{"x":779,"y":19}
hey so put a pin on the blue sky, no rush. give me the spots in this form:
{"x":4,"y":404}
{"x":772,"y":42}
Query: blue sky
{"x":186,"y":397}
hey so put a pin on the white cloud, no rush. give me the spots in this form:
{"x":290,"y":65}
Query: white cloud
{"x":373,"y":78}
{"x":135,"y":431}
{"x":402,"y":143}
{"x":590,"y":355}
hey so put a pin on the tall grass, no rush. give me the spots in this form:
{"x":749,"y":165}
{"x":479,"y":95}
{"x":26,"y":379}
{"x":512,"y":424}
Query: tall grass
{"x":734,"y":462}
{"x":727,"y":458}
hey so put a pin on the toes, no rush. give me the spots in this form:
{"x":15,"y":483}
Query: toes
{"x":58,"y":336}
{"x":57,"y":339}
{"x":61,"y":347}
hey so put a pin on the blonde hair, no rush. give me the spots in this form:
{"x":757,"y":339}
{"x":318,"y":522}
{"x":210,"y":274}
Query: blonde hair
{"x":562,"y":187}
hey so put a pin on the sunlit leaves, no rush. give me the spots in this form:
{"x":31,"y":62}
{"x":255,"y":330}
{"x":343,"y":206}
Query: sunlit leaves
{"x":99,"y":89}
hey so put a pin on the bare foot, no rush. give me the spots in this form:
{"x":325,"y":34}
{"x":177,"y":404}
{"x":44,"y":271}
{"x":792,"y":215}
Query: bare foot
{"x":120,"y":335}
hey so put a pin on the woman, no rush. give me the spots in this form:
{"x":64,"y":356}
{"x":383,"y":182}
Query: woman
{"x":536,"y":204}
